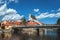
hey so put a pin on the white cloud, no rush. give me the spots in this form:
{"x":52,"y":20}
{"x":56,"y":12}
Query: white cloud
{"x":59,"y":9}
{"x":8,"y":1}
{"x":58,"y":14}
{"x":12,"y":17}
{"x":46,"y":14}
{"x":3,"y":7}
{"x":51,"y":15}
{"x":11,"y":11}
{"x":4,"y":10}
{"x":42,"y":15}
{"x":16,"y":1}
{"x":2,"y":13}
{"x":9,"y":14}
{"x":36,"y":10}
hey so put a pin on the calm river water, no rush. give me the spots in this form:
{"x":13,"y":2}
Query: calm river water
{"x":51,"y":35}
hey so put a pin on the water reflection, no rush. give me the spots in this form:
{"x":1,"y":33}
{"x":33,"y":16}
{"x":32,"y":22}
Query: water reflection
{"x":5,"y":36}
{"x":51,"y":35}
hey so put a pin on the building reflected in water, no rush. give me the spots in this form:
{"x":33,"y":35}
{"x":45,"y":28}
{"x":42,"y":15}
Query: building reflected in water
{"x":51,"y":35}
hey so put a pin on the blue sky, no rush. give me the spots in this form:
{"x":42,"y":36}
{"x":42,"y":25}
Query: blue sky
{"x":25,"y":7}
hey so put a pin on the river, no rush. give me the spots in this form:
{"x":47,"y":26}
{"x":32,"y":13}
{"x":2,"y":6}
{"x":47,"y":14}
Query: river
{"x":51,"y":35}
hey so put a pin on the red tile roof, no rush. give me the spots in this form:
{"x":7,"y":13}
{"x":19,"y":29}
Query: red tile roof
{"x":30,"y":23}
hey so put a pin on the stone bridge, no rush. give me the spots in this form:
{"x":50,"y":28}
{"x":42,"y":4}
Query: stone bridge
{"x":36,"y":27}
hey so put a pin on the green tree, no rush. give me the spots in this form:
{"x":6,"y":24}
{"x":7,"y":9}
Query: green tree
{"x":58,"y":30}
{"x":23,"y":20}
{"x":32,"y":16}
{"x":58,"y":21}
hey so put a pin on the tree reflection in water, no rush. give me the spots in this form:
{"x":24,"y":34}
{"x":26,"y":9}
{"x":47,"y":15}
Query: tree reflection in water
{"x":26,"y":36}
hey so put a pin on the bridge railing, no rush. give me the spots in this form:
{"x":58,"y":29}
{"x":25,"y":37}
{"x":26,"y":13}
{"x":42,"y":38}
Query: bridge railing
{"x":38,"y":26}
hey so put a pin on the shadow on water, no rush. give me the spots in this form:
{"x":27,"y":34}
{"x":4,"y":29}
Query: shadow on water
{"x":58,"y":33}
{"x":51,"y":35}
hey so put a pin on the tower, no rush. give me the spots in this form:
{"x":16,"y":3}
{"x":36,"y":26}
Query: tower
{"x":33,"y":18}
